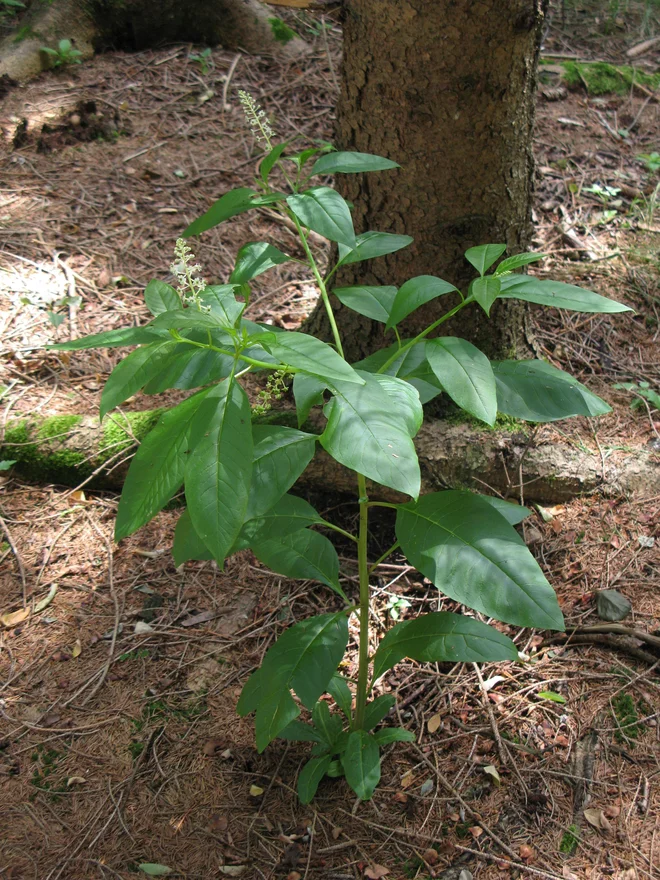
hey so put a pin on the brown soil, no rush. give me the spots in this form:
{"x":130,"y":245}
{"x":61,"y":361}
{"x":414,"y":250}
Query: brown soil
{"x":119,"y":743}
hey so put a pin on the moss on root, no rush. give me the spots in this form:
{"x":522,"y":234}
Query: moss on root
{"x":120,"y":431}
{"x":37,"y":452}
{"x":601,"y":78}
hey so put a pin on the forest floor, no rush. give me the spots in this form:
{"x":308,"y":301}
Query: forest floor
{"x":119,"y":742}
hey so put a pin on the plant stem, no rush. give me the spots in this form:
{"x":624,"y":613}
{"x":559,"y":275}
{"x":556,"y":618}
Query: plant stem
{"x":341,"y":531}
{"x":420,"y":336}
{"x":363,"y":570}
{"x":242,"y":357}
{"x":387,"y":553}
{"x":321,"y":284}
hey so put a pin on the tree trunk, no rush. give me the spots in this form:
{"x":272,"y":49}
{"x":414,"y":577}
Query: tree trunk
{"x":136,"y":24}
{"x":447,"y":90}
{"x":70,"y":449}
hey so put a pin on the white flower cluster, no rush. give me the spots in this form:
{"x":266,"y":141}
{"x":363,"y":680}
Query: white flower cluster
{"x":189,"y":283}
{"x":256,"y":118}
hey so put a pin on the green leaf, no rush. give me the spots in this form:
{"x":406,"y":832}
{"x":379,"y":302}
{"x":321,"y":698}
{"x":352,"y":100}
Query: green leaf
{"x":219,"y":471}
{"x":413,"y":294}
{"x":372,"y":244}
{"x":364,"y":434}
{"x":377,"y":710}
{"x":516,"y":261}
{"x":304,"y":658}
{"x":328,"y":725}
{"x":465,"y":374}
{"x":326,"y":212}
{"x":361,"y":762}
{"x":190,"y":367}
{"x":538,"y":392}
{"x":7,"y":463}
{"x":253,"y":259}
{"x":232,"y":203}
{"x":268,"y":162}
{"x":513,"y":513}
{"x":289,"y":515}
{"x":113,"y":339}
{"x":442,"y":637}
{"x":187,"y":543}
{"x":161,"y":297}
{"x":411,"y":366}
{"x":483,"y":256}
{"x":387,"y":735}
{"x":133,"y":373}
{"x":310,"y":776}
{"x":221,"y":300}
{"x":404,"y":399}
{"x":555,"y":293}
{"x":280,"y":456}
{"x":158,"y":467}
{"x":373,"y":302}
{"x":552,"y":696}
{"x":351,"y":163}
{"x":485,"y":291}
{"x":472,"y":554}
{"x":341,"y":693}
{"x":154,"y":870}
{"x":310,"y":355}
{"x":308,"y":393}
{"x":303,"y":555}
{"x":298,"y":731}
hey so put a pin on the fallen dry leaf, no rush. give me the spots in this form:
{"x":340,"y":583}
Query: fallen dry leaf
{"x":527,"y":854}
{"x":407,"y":779}
{"x":78,"y":495}
{"x":15,"y":617}
{"x":212,"y":747}
{"x":218,"y":824}
{"x":293,"y":875}
{"x":256,"y":791}
{"x":434,"y":723}
{"x":476,"y":831}
{"x":491,"y":771}
{"x":612,"y":811}
{"x":75,"y":780}
{"x":336,"y":832}
{"x":375,"y":872}
{"x":76,"y":651}
{"x":430,"y":856}
{"x":597,"y":818}
{"x":45,"y":602}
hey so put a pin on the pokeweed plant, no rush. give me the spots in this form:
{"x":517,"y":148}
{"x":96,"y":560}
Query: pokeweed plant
{"x":238,"y":470}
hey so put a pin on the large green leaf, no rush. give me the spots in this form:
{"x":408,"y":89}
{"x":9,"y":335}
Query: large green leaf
{"x":310,"y":776}
{"x":304,"y":658}
{"x":219,"y":471}
{"x":404,"y":400}
{"x":308,"y":393}
{"x":187,"y":543}
{"x":190,"y":319}
{"x":465,"y":374}
{"x":361,"y":762}
{"x":387,"y":735}
{"x":303,"y":555}
{"x":377,"y":710}
{"x":223,"y":305}
{"x":280,"y":456}
{"x":483,"y":256}
{"x":555,"y":293}
{"x":512,"y":512}
{"x":538,"y":392}
{"x":351,"y":163}
{"x":190,"y":367}
{"x":253,"y":259}
{"x":341,"y":693}
{"x":364,"y":434}
{"x":413,"y":294}
{"x":298,"y":731}
{"x":410,"y":366}
{"x":485,"y":291}
{"x":157,"y":469}
{"x":289,"y":515}
{"x":133,"y":373}
{"x":270,"y":159}
{"x":373,"y":302}
{"x":442,"y":637}
{"x":472,"y":554}
{"x":161,"y":297}
{"x":326,"y":212}
{"x":516,"y":261}
{"x":309,"y":354}
{"x":372,"y":244}
{"x":232,"y":203}
{"x":113,"y":339}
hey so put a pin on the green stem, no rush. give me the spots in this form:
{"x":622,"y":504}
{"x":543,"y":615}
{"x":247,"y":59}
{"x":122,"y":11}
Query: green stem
{"x":383,"y":504}
{"x":232,"y":354}
{"x":329,"y":525}
{"x":321,"y":284}
{"x":363,"y":570}
{"x":420,"y":336}
{"x":387,"y":553}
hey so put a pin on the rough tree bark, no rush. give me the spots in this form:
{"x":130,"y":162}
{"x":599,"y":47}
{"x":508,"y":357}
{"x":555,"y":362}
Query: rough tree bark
{"x":136,"y":24}
{"x":445,"y":88}
{"x":70,"y":449}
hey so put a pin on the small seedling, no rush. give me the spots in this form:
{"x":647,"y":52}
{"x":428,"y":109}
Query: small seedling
{"x":651,"y":161}
{"x":642,"y":391}
{"x":203,"y":59}
{"x":63,"y":55}
{"x":238,"y":465}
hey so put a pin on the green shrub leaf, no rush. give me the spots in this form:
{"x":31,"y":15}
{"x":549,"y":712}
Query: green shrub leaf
{"x":377,"y":710}
{"x":133,"y":373}
{"x":253,"y":259}
{"x":308,"y":393}
{"x":309,"y":354}
{"x":113,"y":339}
{"x":341,"y":693}
{"x":413,"y":294}
{"x":372,"y":244}
{"x":326,"y":212}
{"x":485,"y":291}
{"x":555,"y":293}
{"x":303,"y":555}
{"x":280,"y":456}
{"x":235,"y":202}
{"x":310,"y":776}
{"x":465,"y":374}
{"x":387,"y":735}
{"x":187,"y":543}
{"x":483,"y":256}
{"x":361,"y":762}
{"x":513,"y":513}
{"x":516,"y":261}
{"x":351,"y":163}
{"x":288,"y":515}
{"x":373,"y":302}
{"x":161,"y":297}
{"x":472,"y":554}
{"x":442,"y":637}
{"x":190,"y":367}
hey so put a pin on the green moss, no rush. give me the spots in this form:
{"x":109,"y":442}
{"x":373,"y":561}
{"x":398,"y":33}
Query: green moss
{"x":56,"y":426}
{"x":570,"y":840}
{"x":121,"y":431}
{"x":601,"y":78}
{"x":281,"y":31}
{"x":626,"y":715}
{"x":38,"y":457}
{"x":502,"y":422}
